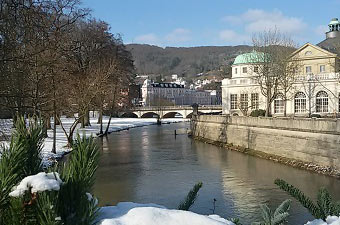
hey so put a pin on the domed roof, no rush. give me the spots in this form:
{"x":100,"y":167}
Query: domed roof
{"x":334,"y":21}
{"x":250,"y":57}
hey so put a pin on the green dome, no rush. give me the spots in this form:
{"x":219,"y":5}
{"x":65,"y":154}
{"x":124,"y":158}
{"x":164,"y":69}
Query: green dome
{"x":251,"y":57}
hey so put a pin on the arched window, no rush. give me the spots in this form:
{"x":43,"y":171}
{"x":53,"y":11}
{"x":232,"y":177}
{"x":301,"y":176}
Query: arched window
{"x":300,"y":102}
{"x":321,"y":102}
{"x":278,"y":104}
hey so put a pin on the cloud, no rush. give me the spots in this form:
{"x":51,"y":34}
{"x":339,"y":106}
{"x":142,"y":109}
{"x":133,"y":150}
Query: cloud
{"x":147,"y":39}
{"x":321,"y":29}
{"x":258,"y":20}
{"x":179,"y":35}
{"x":232,"y":37}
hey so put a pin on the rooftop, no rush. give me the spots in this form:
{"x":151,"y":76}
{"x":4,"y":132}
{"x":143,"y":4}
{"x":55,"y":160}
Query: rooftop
{"x":250,"y":57}
{"x":331,"y":44}
{"x":167,"y":85}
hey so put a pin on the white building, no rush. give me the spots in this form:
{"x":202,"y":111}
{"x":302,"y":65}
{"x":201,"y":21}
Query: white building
{"x":316,"y":89}
{"x":154,"y":94}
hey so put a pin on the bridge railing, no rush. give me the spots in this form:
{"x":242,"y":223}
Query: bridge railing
{"x":176,"y":107}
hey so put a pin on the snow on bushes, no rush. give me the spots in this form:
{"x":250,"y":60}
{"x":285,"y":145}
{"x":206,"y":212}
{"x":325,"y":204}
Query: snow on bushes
{"x":90,"y":198}
{"x":38,"y":183}
{"x":128,"y":213}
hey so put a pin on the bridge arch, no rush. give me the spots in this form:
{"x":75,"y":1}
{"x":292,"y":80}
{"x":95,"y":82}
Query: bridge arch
{"x":173,"y":115}
{"x":150,"y":115}
{"x":129,"y":115}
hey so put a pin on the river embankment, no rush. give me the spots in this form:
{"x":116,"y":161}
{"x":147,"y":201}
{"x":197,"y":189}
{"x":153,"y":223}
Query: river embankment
{"x":311,"y":144}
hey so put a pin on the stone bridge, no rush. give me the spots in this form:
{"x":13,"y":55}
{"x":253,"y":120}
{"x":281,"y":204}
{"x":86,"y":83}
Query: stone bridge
{"x":169,"y":111}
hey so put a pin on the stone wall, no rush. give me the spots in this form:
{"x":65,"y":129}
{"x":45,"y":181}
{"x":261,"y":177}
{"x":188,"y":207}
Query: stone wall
{"x":314,"y":141}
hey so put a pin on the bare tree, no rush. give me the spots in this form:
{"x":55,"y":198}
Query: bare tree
{"x":271,"y":68}
{"x":54,"y":61}
{"x":308,"y":85}
{"x":243,"y":102}
{"x":287,"y":69}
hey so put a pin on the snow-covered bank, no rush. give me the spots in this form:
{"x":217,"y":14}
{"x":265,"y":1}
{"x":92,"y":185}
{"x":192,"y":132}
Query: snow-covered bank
{"x":116,"y":124}
{"x":5,"y":128}
{"x":330,"y":220}
{"x":128,"y":213}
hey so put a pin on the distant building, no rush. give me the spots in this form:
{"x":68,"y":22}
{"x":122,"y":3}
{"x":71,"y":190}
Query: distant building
{"x":215,"y":96}
{"x":174,"y":76}
{"x":316,"y":89}
{"x":154,"y":94}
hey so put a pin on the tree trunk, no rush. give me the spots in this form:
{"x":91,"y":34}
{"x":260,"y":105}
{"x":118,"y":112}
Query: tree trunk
{"x":15,"y":118}
{"x":48,"y":122}
{"x":268,"y":102}
{"x":100,"y":120}
{"x":70,"y":137}
{"x":54,"y":150}
{"x":46,"y":125}
{"x":100,"y":116}
{"x":82,"y":120}
{"x":268,"y":107}
{"x":285,"y":106}
{"x":108,"y":125}
{"x":58,"y":122}
{"x":87,"y":118}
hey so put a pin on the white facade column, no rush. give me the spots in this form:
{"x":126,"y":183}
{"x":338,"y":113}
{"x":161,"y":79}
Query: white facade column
{"x":225,"y":97}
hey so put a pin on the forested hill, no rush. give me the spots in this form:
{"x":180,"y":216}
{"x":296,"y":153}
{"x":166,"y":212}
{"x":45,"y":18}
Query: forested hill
{"x":187,"y":61}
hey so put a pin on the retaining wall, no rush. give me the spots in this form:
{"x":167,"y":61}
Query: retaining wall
{"x":308,"y":140}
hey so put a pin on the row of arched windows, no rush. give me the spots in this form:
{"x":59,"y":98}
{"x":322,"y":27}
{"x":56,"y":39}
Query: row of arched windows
{"x":300,"y":103}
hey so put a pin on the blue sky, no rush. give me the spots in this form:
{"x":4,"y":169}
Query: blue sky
{"x":184,"y":23}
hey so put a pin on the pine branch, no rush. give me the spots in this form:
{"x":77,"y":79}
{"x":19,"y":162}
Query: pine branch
{"x":284,"y":207}
{"x":21,"y":159}
{"x":191,"y":197}
{"x":78,"y":176}
{"x":301,"y":197}
{"x":279,"y":216}
{"x":325,"y":203}
{"x":31,"y":138}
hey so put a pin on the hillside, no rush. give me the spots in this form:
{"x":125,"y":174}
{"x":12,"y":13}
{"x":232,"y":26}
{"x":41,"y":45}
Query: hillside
{"x":186,"y":62}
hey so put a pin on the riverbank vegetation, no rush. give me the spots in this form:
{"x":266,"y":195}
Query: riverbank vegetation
{"x":55,"y":59}
{"x":33,"y":195}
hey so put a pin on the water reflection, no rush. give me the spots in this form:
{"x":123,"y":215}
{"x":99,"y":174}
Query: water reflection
{"x":149,"y":164}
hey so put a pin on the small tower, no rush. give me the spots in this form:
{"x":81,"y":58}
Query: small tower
{"x":334,"y":29}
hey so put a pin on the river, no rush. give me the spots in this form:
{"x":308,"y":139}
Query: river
{"x":149,"y":164}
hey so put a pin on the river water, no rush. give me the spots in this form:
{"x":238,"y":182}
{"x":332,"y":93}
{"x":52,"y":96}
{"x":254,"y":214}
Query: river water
{"x":148,"y":164}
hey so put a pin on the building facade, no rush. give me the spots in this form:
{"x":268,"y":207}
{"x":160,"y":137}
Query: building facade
{"x":155,"y":94}
{"x":315,"y":90}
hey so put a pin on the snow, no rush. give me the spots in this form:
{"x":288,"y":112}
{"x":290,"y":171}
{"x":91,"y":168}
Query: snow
{"x":116,"y":124}
{"x":37,"y":183}
{"x":5,"y":127}
{"x":90,"y":198}
{"x":5,"y":131}
{"x":330,"y":220}
{"x":128,"y":213}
